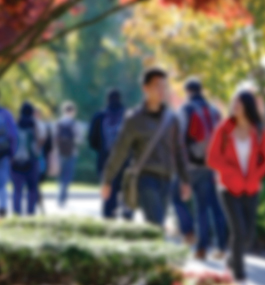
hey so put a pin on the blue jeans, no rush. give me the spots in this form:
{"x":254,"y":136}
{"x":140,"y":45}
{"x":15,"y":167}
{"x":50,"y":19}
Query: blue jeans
{"x":30,"y":179}
{"x":4,"y":178}
{"x":154,"y":195}
{"x":208,"y":209}
{"x":182,"y":210}
{"x":67,"y":168}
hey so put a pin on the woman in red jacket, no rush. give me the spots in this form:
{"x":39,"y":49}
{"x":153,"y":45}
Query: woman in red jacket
{"x":237,"y":154}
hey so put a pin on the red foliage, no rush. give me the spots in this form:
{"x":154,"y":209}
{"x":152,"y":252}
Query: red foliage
{"x":16,"y":16}
{"x":229,"y":10}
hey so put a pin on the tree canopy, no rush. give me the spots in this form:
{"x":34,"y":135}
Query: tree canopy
{"x":188,"y":44}
{"x":27,"y":24}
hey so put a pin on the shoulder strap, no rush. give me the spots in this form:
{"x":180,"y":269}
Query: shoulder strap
{"x":167,"y":117}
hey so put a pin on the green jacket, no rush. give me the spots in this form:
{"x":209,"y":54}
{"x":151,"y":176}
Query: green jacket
{"x":169,"y":155}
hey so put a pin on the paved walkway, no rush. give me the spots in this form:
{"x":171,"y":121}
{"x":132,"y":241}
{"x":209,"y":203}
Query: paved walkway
{"x":89,"y":204}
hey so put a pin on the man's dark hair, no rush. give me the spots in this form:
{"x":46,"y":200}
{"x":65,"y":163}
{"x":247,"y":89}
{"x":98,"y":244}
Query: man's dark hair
{"x":152,"y":73}
{"x":193,"y":85}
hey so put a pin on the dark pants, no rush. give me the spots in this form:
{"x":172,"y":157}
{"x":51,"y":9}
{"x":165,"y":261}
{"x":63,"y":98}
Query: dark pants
{"x":154,"y":194}
{"x":241,"y":214}
{"x":182,"y":211}
{"x":208,"y":209}
{"x":67,"y":169}
{"x":30,"y":180}
{"x":111,"y":205}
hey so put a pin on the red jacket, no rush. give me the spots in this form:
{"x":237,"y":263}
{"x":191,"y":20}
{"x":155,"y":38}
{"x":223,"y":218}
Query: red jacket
{"x":222,"y":157}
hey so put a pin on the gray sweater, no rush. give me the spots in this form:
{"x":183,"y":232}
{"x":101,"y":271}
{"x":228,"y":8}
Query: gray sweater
{"x":167,"y":159}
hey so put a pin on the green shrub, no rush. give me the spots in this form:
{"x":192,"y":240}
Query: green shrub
{"x":88,"y":227}
{"x":40,"y":257}
{"x":80,"y":251}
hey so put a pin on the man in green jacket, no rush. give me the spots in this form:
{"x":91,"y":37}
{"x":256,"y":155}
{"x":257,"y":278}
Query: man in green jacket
{"x":167,"y":158}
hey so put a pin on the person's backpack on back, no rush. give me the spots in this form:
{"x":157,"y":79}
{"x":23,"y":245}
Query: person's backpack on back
{"x":111,"y":127}
{"x":66,"y":138}
{"x":27,"y":150}
{"x":4,"y":137}
{"x":202,"y":123}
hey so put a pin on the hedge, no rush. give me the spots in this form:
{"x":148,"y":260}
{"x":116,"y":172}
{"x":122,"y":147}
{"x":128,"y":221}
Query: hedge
{"x":67,"y":252}
{"x":88,"y":227}
{"x":29,"y":257}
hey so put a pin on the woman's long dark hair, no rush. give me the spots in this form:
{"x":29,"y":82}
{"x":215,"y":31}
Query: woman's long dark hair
{"x":250,"y":107}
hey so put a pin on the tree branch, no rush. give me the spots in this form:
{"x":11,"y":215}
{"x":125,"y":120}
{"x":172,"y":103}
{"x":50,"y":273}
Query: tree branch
{"x":42,"y":22}
{"x":33,"y":42}
{"x":39,"y":87}
{"x":90,"y":22}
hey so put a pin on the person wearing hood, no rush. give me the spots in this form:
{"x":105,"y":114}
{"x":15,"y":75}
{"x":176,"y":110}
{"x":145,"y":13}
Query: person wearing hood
{"x":25,"y":170}
{"x":103,"y":132}
{"x":8,"y":145}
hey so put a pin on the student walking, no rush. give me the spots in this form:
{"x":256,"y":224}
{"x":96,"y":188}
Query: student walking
{"x":103,"y":133}
{"x":151,"y":135}
{"x":68,"y":137}
{"x":25,"y":168}
{"x":8,"y":145}
{"x":199,"y":119}
{"x":237,"y":153}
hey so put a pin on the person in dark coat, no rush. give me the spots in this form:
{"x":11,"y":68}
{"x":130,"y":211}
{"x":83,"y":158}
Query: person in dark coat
{"x":25,"y":168}
{"x":104,"y":129}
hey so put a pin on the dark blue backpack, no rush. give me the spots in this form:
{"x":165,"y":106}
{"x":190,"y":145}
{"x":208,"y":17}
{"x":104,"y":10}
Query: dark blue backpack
{"x":111,"y":125}
{"x":27,"y":152}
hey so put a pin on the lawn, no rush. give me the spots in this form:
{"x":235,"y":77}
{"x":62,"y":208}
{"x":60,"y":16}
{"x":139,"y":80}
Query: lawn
{"x":52,"y":187}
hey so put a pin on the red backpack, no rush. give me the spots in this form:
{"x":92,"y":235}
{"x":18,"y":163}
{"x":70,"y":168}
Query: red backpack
{"x":203,"y":120}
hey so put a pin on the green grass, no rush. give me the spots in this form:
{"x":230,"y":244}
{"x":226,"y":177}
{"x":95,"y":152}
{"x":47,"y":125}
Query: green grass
{"x":52,"y":187}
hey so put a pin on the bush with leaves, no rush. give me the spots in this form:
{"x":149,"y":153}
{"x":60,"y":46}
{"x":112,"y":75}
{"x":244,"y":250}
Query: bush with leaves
{"x":42,"y":257}
{"x":88,"y":227}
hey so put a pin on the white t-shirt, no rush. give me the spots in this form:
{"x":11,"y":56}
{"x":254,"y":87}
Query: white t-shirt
{"x":243,"y":149}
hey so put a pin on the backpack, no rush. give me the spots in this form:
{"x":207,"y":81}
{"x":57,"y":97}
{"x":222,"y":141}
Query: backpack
{"x":66,"y":138}
{"x":4,"y":138}
{"x":203,"y":120}
{"x":111,"y":124}
{"x":27,"y":150}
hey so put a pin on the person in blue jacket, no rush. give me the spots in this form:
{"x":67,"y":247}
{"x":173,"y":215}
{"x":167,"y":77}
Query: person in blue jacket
{"x":25,"y":168}
{"x":8,"y":145}
{"x":104,"y":129}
